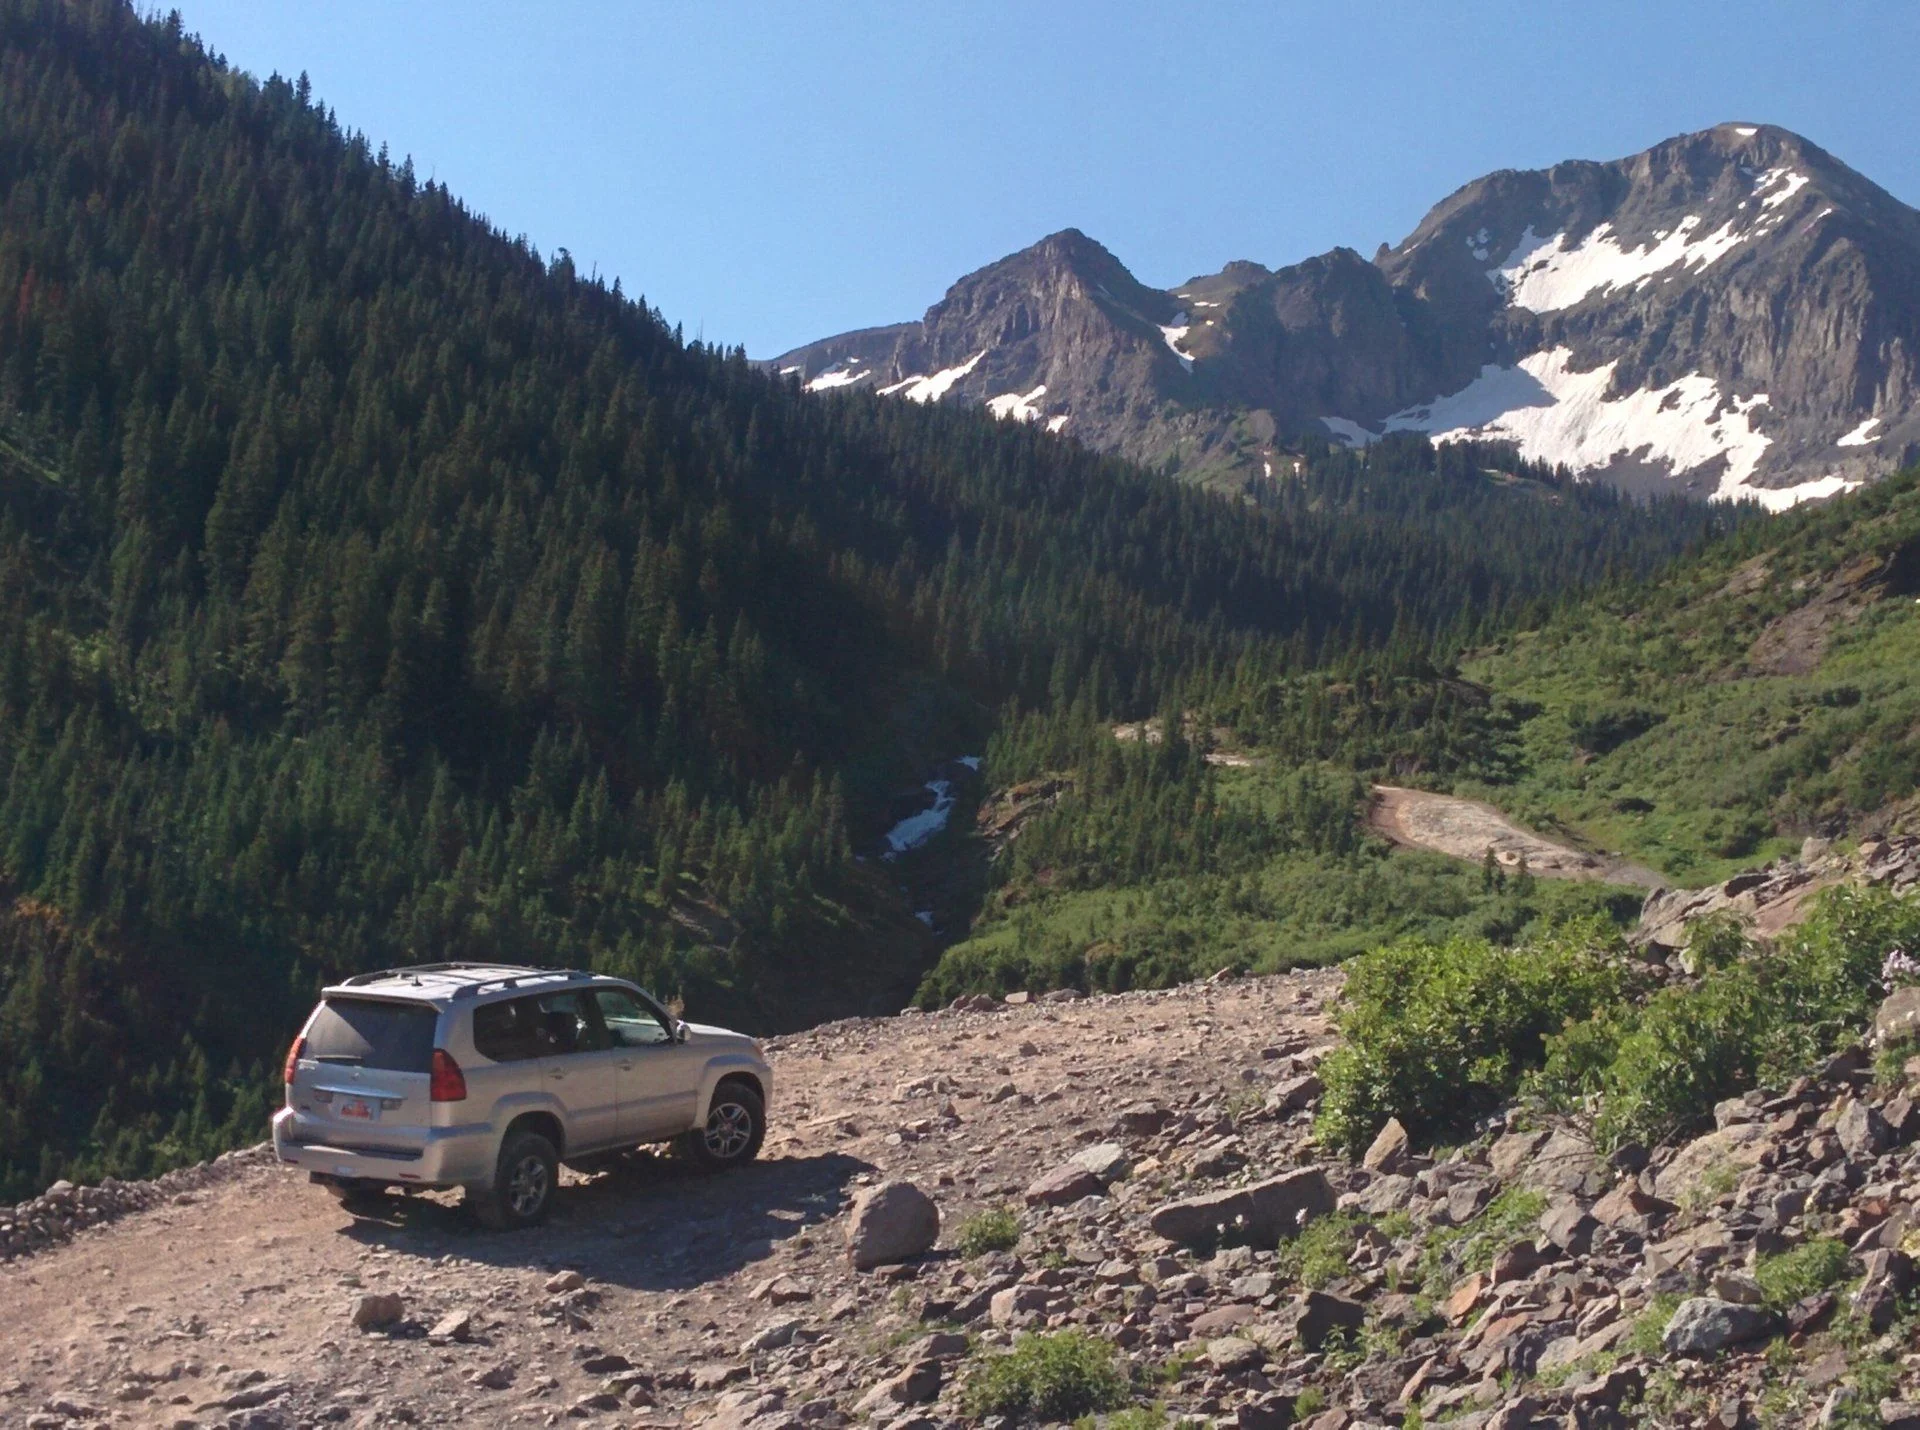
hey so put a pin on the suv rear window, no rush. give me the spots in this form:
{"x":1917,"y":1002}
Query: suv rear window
{"x":394,"y":1037}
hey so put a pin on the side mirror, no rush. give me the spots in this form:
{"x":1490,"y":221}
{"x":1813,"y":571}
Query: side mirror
{"x":679,"y":1030}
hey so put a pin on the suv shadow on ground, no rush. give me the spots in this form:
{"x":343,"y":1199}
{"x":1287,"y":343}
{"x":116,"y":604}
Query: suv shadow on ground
{"x":650,"y":1223}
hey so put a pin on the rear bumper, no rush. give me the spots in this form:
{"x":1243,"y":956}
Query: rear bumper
{"x":444,"y":1157}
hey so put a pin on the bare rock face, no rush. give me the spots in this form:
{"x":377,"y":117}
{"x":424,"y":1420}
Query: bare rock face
{"x":1731,"y":312}
{"x":892,"y":1222}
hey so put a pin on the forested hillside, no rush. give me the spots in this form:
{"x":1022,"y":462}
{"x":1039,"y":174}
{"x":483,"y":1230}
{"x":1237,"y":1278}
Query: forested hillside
{"x":374,"y":588}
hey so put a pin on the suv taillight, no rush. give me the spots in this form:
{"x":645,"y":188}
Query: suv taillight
{"x":293,"y":1058}
{"x":449,"y":1083}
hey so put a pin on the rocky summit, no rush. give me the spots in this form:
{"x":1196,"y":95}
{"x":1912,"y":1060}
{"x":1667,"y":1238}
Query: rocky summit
{"x":1732,"y":313}
{"x":1128,"y":1182}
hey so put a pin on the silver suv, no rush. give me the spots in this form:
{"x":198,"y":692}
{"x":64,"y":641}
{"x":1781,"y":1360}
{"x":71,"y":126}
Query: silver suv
{"x":487,"y":1076}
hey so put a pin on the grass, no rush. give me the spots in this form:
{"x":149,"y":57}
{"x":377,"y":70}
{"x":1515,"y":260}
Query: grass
{"x":989,"y":1230}
{"x":1650,"y":1327}
{"x":1654,"y":729}
{"x":1453,"y":1252}
{"x":1046,"y":1377}
{"x":1319,"y":1255}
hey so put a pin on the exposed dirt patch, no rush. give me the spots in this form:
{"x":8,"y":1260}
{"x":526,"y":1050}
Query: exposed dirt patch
{"x":1467,"y":829}
{"x":245,"y":1288}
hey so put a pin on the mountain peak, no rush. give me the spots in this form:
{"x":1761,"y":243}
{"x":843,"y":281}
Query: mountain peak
{"x":1732,"y":312}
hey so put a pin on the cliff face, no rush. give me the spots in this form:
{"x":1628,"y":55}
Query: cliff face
{"x":1732,"y":313}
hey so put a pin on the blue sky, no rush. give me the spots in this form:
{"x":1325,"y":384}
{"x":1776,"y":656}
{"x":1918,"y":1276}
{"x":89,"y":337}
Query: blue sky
{"x":771,"y":174}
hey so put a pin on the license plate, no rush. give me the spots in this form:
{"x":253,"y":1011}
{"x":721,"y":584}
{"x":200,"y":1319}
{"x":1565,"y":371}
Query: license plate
{"x":360,"y":1109}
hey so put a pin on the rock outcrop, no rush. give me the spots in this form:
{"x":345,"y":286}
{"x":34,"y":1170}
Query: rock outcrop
{"x":1732,"y":312}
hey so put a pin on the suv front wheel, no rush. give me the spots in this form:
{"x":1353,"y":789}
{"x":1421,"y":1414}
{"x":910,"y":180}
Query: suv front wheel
{"x":524,"y":1181}
{"x":736,"y":1125}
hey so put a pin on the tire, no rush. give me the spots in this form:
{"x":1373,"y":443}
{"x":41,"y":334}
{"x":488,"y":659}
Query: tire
{"x":524,"y":1182}
{"x":736,"y":1125}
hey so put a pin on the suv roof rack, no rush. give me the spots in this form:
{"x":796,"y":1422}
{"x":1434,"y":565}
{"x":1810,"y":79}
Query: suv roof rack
{"x":517,"y":976}
{"x":361,"y":979}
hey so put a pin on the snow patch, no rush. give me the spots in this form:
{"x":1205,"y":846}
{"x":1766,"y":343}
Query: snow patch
{"x":1017,"y":406}
{"x":932,"y":389}
{"x":1172,"y":333}
{"x":1745,"y":131}
{"x":1858,"y":436}
{"x":840,"y":378}
{"x":925,"y":916}
{"x":1352,"y":433}
{"x":789,"y":371}
{"x":1783,"y":498}
{"x":1054,"y":424}
{"x":1784,"y":183}
{"x":1565,"y":417}
{"x":1543,"y":275}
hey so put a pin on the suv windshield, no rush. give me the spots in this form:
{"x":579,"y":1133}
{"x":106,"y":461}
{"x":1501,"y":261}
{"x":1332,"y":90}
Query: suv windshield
{"x":395,"y":1037}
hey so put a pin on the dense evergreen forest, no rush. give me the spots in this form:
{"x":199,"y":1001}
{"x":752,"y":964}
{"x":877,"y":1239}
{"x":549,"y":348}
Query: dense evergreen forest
{"x":374,"y":588}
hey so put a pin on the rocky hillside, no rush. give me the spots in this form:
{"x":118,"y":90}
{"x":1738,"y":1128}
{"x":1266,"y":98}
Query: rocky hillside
{"x":1019,"y":1212}
{"x":1731,"y":313}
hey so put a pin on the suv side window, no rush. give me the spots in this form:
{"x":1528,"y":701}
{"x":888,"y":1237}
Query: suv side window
{"x":509,"y":1032}
{"x":566,"y":1025}
{"x":630,"y":1023}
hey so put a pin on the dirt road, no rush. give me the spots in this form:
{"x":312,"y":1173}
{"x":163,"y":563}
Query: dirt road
{"x":233,"y":1308}
{"x":1467,"y":829}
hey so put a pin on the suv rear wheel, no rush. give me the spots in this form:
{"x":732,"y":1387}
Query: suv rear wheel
{"x":736,"y":1125}
{"x":524,"y":1181}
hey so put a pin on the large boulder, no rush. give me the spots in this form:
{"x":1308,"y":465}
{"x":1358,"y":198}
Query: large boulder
{"x":1389,"y":1149}
{"x":1706,"y":1324}
{"x":1266,"y":1211}
{"x":1862,"y":1131}
{"x":1568,"y":1164}
{"x":892,"y":1222}
{"x":1317,"y":1315}
{"x":1898,"y":1019}
{"x":1064,"y":1185}
{"x":1729,"y":1151}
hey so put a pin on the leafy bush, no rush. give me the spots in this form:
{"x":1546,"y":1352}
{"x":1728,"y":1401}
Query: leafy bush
{"x":1756,"y":1016}
{"x":1436,"y":1033}
{"x":1804,"y":1271}
{"x":994,"y":1229}
{"x":1320,"y":1253}
{"x":1056,"y":1377}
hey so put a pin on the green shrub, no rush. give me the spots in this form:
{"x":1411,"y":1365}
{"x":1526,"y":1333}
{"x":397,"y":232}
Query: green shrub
{"x":993,"y":1229}
{"x":1436,"y":1033}
{"x":1453,"y":1252}
{"x":1755,"y":1017}
{"x":1320,"y":1253}
{"x":1053,"y":1377}
{"x":1804,"y":1271}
